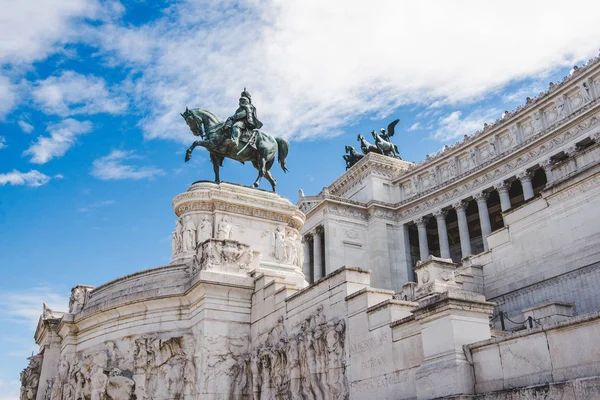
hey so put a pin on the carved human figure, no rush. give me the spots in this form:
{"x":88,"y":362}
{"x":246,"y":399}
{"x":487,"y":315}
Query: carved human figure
{"x":255,"y":365}
{"x":30,"y":378}
{"x":334,"y":343}
{"x":224,"y":228}
{"x":472,"y":158}
{"x":293,"y":362}
{"x":118,"y":386}
{"x":415,"y":184}
{"x":290,"y":247}
{"x":77,"y":299}
{"x":561,"y":111}
{"x":177,"y":241}
{"x":584,"y":89}
{"x":265,"y":384}
{"x":189,"y":234}
{"x":537,"y":116}
{"x":279,"y":243}
{"x":205,"y":229}
{"x":311,"y":357}
{"x":98,"y":384}
{"x":300,"y":252}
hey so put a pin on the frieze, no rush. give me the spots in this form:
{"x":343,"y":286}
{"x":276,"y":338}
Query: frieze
{"x":509,"y":167}
{"x":238,"y":209}
{"x":579,"y":187}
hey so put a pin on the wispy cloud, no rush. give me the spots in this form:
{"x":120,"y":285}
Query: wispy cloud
{"x":2,"y":142}
{"x":454,"y":125}
{"x":63,"y":136}
{"x":25,"y":126}
{"x":72,"y":93}
{"x":114,"y":167}
{"x":96,"y":205}
{"x":25,"y":306}
{"x":8,"y":94}
{"x":415,"y":127}
{"x":33,"y":178}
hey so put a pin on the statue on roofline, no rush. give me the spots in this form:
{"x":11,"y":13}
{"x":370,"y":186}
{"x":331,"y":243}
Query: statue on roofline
{"x":383,"y":145}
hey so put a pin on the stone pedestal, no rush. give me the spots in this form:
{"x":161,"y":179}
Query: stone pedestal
{"x":220,"y":221}
{"x":435,"y":275}
{"x":447,"y":322}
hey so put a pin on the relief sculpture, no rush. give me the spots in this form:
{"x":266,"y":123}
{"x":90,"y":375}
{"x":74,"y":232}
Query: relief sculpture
{"x":306,"y":364}
{"x":141,"y":368}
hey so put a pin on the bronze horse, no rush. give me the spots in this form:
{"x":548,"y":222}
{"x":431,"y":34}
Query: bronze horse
{"x":216,"y":139}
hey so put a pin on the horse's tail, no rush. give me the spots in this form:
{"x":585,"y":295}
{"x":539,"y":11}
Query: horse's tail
{"x":283,"y":147}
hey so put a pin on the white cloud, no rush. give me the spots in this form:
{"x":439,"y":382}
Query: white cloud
{"x":112,"y":167}
{"x":32,"y":178}
{"x":98,"y":204}
{"x":63,"y":136}
{"x":9,"y":389}
{"x":313,"y":69}
{"x":33,"y":30}
{"x":415,"y":127}
{"x":8,"y":96}
{"x":71,"y":93}
{"x":25,"y":126}
{"x":2,"y":142}
{"x":453,"y":125}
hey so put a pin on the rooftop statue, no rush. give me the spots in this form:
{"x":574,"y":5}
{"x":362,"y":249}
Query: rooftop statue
{"x":383,"y":145}
{"x":352,"y":157}
{"x":238,"y":138}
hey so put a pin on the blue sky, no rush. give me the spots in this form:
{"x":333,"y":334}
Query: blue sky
{"x":92,"y":144}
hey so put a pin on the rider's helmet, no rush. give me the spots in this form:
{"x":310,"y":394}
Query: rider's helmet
{"x":246,"y":95}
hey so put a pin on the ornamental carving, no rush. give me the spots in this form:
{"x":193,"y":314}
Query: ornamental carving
{"x":308,"y":363}
{"x":30,"y":378}
{"x":224,"y":255}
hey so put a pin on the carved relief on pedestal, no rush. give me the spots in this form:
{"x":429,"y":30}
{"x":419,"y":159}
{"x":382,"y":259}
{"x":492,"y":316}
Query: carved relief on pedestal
{"x":30,"y":377}
{"x":222,"y":255}
{"x":205,"y":230}
{"x":224,"y":229}
{"x":307,"y":364}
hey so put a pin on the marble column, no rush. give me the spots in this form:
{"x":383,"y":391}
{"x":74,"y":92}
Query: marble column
{"x":525,"y":178}
{"x":317,"y":254}
{"x":440,"y":217}
{"x":463,"y":228}
{"x":423,"y":245}
{"x":484,"y":217}
{"x":307,"y":242}
{"x":547,"y":167}
{"x":503,"y":189}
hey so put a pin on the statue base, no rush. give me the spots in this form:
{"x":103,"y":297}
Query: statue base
{"x":234,"y":229}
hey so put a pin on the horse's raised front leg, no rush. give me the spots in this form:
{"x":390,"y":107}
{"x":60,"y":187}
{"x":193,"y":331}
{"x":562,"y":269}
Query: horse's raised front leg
{"x":188,"y":153}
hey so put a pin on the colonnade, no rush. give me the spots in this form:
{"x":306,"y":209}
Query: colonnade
{"x":460,"y":207}
{"x":314,"y":259}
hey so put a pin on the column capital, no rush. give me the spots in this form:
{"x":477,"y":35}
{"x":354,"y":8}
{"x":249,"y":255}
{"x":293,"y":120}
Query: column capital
{"x":571,"y":150}
{"x":503,"y":186}
{"x":545,"y":164}
{"x":421,"y":221}
{"x":525,"y":175}
{"x":308,"y":237}
{"x":460,"y":205}
{"x":319,"y":229}
{"x":481,"y":197}
{"x":440,"y":214}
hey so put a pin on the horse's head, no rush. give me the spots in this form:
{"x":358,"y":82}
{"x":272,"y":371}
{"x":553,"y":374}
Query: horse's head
{"x":192,"y":122}
{"x":348,"y":149}
{"x":375,"y":135}
{"x":360,"y":138}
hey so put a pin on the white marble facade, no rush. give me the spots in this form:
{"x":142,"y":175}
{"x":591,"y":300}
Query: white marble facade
{"x":392,"y":283}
